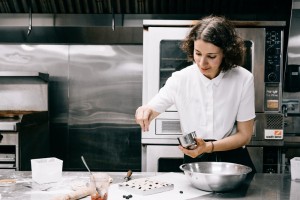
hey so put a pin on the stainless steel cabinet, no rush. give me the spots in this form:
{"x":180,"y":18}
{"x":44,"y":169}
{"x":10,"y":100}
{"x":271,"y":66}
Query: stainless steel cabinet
{"x":93,"y":93}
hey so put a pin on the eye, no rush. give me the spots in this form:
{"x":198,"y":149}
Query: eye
{"x":212,"y":57}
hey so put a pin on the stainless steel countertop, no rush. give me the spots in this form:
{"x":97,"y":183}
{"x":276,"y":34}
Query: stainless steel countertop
{"x":259,"y":186}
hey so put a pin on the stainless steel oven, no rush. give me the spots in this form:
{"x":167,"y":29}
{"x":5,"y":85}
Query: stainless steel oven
{"x":162,"y":56}
{"x":9,"y":142}
{"x":24,"y":125}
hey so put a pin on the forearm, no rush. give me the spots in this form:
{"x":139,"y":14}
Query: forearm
{"x":241,"y":138}
{"x":154,"y":115}
{"x":229,"y":143}
{"x":226,"y":144}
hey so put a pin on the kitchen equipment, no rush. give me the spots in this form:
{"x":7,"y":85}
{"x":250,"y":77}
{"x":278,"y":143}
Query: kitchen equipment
{"x":101,"y":181}
{"x":24,"y":120}
{"x":292,"y":78}
{"x":7,"y":182}
{"x":128,"y":176}
{"x":92,"y":176}
{"x":292,"y":69}
{"x":215,"y":176}
{"x":264,"y":42}
{"x":188,"y":141}
{"x":76,"y":194}
{"x":85,"y":164}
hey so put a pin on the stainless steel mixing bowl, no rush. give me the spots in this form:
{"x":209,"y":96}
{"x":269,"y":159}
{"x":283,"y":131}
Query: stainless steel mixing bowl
{"x":215,"y":176}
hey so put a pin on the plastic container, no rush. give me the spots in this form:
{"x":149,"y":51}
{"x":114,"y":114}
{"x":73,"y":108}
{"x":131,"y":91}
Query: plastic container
{"x":295,"y":168}
{"x":101,"y":182}
{"x":46,"y":170}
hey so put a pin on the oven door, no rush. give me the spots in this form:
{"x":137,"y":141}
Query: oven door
{"x":9,"y":150}
{"x":254,"y":39}
{"x":163,"y":56}
{"x":161,"y":158}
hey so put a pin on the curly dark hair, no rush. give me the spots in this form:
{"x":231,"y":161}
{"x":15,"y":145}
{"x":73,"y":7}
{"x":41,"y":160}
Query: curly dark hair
{"x":220,"y":32}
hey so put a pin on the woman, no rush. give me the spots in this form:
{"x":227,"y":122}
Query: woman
{"x":214,"y":96}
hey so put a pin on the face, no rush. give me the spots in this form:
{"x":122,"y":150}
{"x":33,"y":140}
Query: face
{"x":208,"y":57}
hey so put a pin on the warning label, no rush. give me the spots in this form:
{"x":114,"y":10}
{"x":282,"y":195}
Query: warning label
{"x":271,"y":134}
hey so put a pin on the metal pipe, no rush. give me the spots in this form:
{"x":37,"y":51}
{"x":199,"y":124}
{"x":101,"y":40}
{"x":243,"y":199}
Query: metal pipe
{"x":112,"y":7}
{"x":30,"y":19}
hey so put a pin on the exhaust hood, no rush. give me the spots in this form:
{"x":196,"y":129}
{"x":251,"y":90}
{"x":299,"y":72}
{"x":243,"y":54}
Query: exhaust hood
{"x":117,"y":21}
{"x":23,"y":92}
{"x":145,"y":6}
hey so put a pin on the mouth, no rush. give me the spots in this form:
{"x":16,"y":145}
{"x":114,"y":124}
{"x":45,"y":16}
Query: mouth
{"x":204,"y":69}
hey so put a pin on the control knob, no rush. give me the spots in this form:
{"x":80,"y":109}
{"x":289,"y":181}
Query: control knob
{"x":271,"y":50}
{"x":272,"y":77}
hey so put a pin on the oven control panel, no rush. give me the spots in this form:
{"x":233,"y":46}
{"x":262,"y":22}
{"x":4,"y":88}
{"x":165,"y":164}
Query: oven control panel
{"x":273,"y":55}
{"x":272,"y":97}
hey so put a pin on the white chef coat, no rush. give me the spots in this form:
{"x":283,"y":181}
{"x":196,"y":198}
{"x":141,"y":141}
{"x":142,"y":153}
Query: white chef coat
{"x":208,"y":107}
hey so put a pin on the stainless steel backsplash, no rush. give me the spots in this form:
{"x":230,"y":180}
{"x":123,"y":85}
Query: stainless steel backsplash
{"x":90,"y":86}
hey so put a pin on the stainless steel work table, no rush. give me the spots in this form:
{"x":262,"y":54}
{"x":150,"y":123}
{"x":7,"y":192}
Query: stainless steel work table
{"x":259,"y":186}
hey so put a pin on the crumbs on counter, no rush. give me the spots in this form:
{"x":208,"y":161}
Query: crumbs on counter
{"x":127,"y":196}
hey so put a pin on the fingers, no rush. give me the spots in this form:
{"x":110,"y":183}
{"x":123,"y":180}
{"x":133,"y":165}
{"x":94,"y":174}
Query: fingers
{"x":191,"y":153}
{"x":195,"y":152}
{"x":142,"y":117}
{"x":200,"y":141}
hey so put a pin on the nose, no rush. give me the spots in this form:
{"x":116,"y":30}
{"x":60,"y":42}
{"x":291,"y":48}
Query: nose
{"x":202,"y":61}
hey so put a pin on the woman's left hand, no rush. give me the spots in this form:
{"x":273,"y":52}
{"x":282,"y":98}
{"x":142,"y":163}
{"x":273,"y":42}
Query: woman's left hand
{"x":202,"y":147}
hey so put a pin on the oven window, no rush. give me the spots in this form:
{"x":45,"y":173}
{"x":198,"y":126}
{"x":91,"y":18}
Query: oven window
{"x":8,"y":156}
{"x":169,"y":164}
{"x":172,"y":59}
{"x":248,"y":57}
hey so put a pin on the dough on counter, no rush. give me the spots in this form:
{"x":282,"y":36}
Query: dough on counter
{"x":78,"y":194}
{"x":146,"y":186}
{"x":79,"y":185}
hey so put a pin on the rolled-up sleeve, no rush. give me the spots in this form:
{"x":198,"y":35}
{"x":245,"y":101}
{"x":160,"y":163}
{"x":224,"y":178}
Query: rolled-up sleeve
{"x":166,"y":95}
{"x":247,"y":105}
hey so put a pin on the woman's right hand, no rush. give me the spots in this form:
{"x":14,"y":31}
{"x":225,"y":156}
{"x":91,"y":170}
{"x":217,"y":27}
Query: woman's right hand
{"x":144,"y":115}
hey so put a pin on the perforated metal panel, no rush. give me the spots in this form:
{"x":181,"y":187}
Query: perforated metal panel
{"x":274,"y":121}
{"x":171,"y":127}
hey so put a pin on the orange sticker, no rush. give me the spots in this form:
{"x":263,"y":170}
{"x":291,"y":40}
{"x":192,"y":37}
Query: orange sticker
{"x":277,"y":133}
